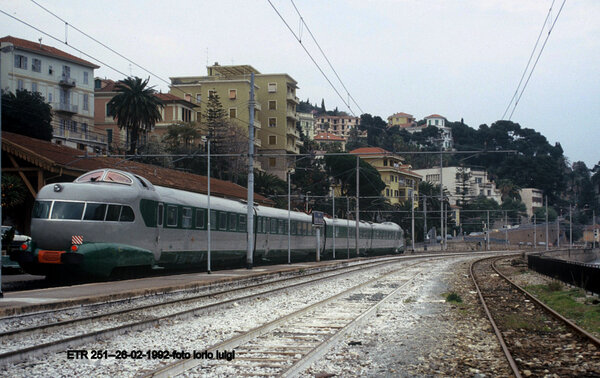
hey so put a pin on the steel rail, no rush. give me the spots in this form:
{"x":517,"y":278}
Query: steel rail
{"x":181,"y":366}
{"x":175,"y":292}
{"x":507,"y":354}
{"x":324,"y":347}
{"x":21,"y":354}
{"x":192,"y":287}
{"x":569,"y":323}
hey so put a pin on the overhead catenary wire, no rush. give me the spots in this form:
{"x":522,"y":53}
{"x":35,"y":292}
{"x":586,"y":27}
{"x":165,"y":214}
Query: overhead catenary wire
{"x":537,"y":59}
{"x":529,"y":61}
{"x":302,"y":22}
{"x":312,"y":58}
{"x":63,"y":42}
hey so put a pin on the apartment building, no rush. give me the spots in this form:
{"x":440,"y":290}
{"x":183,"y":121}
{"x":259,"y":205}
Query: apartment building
{"x":400,"y":180}
{"x":462,"y":183}
{"x":532,"y":198}
{"x":337,"y":125}
{"x":325,"y":139}
{"x":176,"y":110}
{"x":307,"y":124}
{"x":64,"y":80}
{"x":274,"y":108}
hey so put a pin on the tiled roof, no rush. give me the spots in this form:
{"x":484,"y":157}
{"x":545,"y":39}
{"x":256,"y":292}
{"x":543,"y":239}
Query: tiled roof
{"x":111,"y":86}
{"x":107,"y":86}
{"x":168,"y":97}
{"x":66,"y":160}
{"x":434,"y":116}
{"x":369,"y":150}
{"x":401,"y":115}
{"x":46,"y":50}
{"x":324,"y":136}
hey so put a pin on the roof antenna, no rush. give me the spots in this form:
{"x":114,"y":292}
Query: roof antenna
{"x":40,"y":39}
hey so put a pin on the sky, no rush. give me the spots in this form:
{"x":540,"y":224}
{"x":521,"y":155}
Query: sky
{"x":460,"y":59}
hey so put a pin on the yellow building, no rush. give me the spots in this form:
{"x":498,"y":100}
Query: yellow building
{"x":401,"y":120}
{"x":400,"y":181}
{"x":274,"y":111}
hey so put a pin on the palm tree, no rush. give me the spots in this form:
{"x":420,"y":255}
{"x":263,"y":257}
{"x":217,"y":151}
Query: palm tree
{"x":135,"y":107}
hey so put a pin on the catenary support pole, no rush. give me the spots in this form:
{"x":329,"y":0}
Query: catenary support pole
{"x":333,"y":219}
{"x":487,"y":241}
{"x":570,"y":227}
{"x":357,"y":204}
{"x":289,"y":182}
{"x":208,"y":225}
{"x":250,"y":214}
{"x":412,"y":205}
{"x":546,"y":223}
{"x":425,"y":240}
{"x":534,"y":231}
{"x":348,"y":225}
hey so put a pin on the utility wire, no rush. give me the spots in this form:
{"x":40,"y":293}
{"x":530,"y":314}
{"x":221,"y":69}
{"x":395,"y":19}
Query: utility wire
{"x":537,"y":59}
{"x":311,"y":58}
{"x":100,"y":43}
{"x":63,"y":42}
{"x":325,"y":56}
{"x":529,"y":61}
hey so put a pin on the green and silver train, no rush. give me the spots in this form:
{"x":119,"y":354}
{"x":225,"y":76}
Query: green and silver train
{"x":109,"y":219}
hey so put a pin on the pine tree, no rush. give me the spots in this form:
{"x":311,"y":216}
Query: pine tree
{"x":215,"y":122}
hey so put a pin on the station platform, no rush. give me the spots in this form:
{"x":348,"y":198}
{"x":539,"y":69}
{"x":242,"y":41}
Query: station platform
{"x":18,"y":302}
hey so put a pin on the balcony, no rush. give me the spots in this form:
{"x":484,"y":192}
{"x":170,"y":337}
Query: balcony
{"x":85,"y":137}
{"x":292,"y":97}
{"x":257,"y":105}
{"x":62,"y":107}
{"x":291,"y":114}
{"x":66,"y":81}
{"x":257,"y":124}
{"x":293,"y":131}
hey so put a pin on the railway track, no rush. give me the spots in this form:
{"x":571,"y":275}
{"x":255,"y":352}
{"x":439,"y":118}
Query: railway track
{"x":21,"y":343}
{"x":535,"y":339}
{"x":288,"y":345}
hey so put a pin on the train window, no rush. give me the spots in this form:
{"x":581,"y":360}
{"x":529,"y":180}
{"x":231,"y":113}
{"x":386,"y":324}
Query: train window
{"x":222,"y":221}
{"x":186,"y":217}
{"x":112,"y":215}
{"x":95,"y":211}
{"x":213,"y":220}
{"x":171,"y":216}
{"x":91,"y":177}
{"x":41,"y":209}
{"x":67,"y":210}
{"x":293,"y":227}
{"x":259,"y":225}
{"x":127,"y":214}
{"x":242,"y":223}
{"x":266,"y":226}
{"x":273,"y":226}
{"x":232,"y":222}
{"x":199,"y":218}
{"x":117,"y":177}
{"x":160,"y":214}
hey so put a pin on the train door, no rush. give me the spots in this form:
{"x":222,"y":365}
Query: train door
{"x":159,"y":226}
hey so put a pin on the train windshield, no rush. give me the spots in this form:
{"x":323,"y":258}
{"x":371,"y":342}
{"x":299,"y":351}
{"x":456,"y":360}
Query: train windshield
{"x":41,"y":209}
{"x":67,"y":210}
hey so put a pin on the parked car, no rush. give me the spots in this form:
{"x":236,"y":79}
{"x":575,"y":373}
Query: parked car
{"x":16,"y":242}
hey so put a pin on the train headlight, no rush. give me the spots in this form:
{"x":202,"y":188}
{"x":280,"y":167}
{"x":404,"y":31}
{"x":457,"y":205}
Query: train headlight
{"x":24,"y":246}
{"x":58,"y":187}
{"x":74,"y":248}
